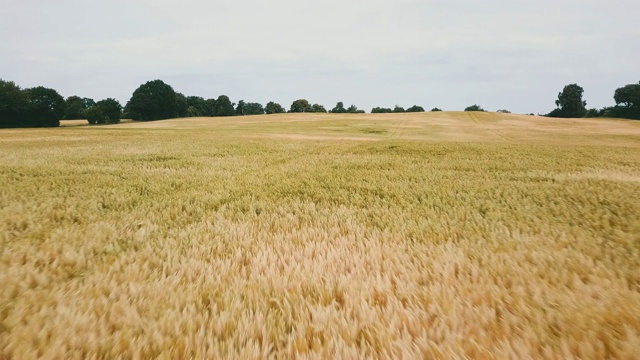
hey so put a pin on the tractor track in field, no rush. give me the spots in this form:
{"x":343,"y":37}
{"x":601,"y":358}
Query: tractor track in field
{"x":476,"y":120}
{"x":398,"y":128}
{"x":398,"y":133}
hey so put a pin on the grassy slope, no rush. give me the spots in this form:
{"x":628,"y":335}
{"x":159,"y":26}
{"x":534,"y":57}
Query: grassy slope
{"x":439,"y":235}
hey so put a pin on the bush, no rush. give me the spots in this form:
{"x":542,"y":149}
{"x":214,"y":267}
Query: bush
{"x":95,"y":115}
{"x":592,"y":113}
{"x":107,"y":111}
{"x":474,"y":108}
{"x":353,"y":110}
{"x":415,"y":108}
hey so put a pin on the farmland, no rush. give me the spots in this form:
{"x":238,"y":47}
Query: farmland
{"x":435,"y":235}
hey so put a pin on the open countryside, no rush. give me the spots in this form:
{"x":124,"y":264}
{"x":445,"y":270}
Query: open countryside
{"x":413,"y":235}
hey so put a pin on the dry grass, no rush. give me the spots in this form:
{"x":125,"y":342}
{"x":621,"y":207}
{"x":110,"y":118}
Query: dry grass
{"x":441,"y":236}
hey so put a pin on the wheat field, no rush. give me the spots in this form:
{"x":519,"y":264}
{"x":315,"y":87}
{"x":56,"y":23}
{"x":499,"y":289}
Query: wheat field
{"x":435,"y":235}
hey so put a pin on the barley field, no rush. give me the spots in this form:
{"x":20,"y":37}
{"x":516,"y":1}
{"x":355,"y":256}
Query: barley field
{"x":435,"y":235}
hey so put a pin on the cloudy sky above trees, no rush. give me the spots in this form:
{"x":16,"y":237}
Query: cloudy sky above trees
{"x":501,"y":54}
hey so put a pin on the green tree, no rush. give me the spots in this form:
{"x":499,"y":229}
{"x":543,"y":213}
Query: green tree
{"x":253,"y":108}
{"x":88,"y":102}
{"x":570,"y":103}
{"x":153,"y":100}
{"x":274,"y":108}
{"x":107,"y":111}
{"x":415,"y":108}
{"x":192,"y":112}
{"x":74,"y":108}
{"x":317,"y":108}
{"x":503,"y":111}
{"x":398,"y":109}
{"x":592,"y":113}
{"x":223,"y":106}
{"x":47,"y":107}
{"x":627,"y":101}
{"x":181,"y":105}
{"x":628,"y":96}
{"x":300,"y":105}
{"x":556,"y":113}
{"x":111,"y":109}
{"x":435,"y":109}
{"x":14,"y":105}
{"x":95,"y":115}
{"x":209,"y":107}
{"x":197,"y":106}
{"x":240,"y":108}
{"x":474,"y":107}
{"x":380,"y":110}
{"x":339,"y":108}
{"x":353,"y":110}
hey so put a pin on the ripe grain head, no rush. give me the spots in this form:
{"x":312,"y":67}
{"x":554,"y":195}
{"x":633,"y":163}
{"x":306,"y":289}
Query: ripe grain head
{"x":288,"y":236}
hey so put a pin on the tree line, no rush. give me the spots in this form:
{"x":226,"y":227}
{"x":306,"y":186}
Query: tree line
{"x":156,"y":100}
{"x":45,"y":107}
{"x":571,"y":105}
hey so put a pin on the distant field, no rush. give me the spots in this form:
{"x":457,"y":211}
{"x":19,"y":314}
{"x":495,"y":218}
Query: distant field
{"x":430,"y":235}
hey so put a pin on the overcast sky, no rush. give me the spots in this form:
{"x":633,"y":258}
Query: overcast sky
{"x":500,"y":54}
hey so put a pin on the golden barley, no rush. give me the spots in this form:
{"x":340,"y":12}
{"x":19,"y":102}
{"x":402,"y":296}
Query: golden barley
{"x":322,"y":236}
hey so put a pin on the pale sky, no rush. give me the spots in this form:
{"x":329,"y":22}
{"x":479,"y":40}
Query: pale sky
{"x":500,"y":54}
